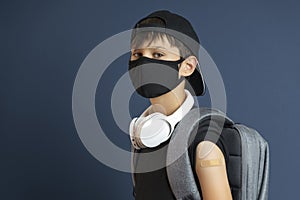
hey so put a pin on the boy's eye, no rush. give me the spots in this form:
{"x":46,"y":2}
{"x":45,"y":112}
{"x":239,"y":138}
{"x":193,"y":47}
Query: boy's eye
{"x":136,"y":54}
{"x":157,"y":55}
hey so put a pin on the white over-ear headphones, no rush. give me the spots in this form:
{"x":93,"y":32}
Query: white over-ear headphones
{"x":156,"y":128}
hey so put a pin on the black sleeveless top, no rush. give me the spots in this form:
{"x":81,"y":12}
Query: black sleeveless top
{"x":155,"y":185}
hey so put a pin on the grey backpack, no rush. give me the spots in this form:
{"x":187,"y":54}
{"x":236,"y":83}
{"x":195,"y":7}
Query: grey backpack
{"x":252,"y":163}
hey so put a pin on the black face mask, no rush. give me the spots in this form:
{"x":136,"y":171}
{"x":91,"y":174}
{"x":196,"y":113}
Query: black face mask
{"x":152,"y":78}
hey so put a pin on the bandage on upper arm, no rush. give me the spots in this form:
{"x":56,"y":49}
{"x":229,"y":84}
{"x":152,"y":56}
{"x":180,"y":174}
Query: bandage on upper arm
{"x":209,"y":155}
{"x":211,"y":162}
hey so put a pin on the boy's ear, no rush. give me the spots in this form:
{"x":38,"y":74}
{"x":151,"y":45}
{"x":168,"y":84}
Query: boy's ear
{"x":188,"y":66}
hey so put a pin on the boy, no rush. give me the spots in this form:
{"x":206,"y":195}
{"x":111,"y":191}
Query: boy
{"x":163,"y":68}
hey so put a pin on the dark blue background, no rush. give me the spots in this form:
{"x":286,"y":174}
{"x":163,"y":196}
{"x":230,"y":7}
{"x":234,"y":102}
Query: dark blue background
{"x":43,"y":43}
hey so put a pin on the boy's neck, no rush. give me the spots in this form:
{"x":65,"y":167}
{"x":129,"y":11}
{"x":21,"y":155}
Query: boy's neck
{"x":169,"y":102}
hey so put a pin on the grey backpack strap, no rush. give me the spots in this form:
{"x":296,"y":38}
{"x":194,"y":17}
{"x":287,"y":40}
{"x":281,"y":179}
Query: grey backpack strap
{"x":179,"y":168}
{"x":255,"y":164}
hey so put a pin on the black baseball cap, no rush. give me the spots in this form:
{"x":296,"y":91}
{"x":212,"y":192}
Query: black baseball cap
{"x":181,"y":29}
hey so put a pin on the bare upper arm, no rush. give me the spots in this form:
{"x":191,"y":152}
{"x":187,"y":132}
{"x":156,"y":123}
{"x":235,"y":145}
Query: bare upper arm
{"x":211,"y":171}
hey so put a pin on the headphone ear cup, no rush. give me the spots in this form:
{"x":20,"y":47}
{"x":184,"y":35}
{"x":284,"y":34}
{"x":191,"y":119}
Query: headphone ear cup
{"x":132,"y":132}
{"x":142,"y":121}
{"x":135,"y":129}
{"x":154,"y":130}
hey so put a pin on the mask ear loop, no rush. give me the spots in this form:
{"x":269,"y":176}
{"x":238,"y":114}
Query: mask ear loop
{"x":183,"y":59}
